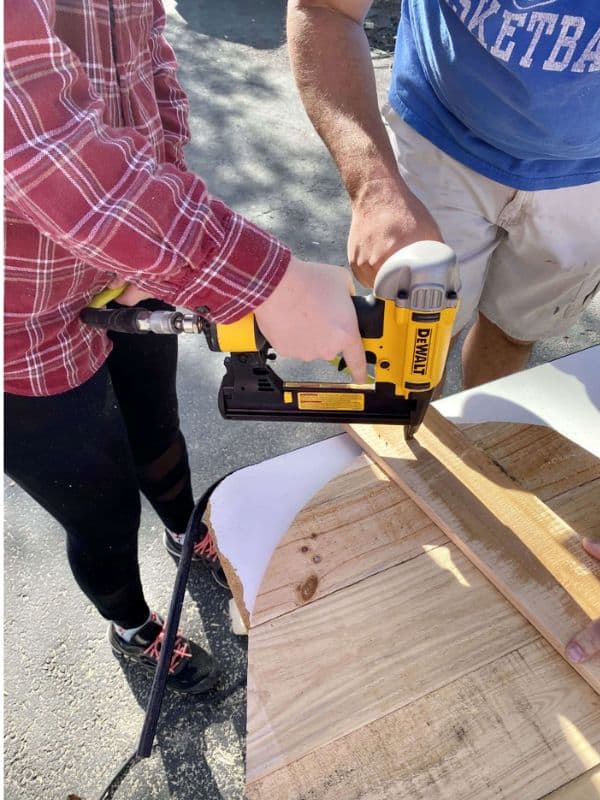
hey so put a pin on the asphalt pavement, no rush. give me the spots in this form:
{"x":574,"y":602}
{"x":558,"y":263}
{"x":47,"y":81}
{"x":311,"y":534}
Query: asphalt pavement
{"x":72,"y":712}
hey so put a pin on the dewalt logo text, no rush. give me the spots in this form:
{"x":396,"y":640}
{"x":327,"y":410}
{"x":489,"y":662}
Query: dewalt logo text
{"x":421,"y":352}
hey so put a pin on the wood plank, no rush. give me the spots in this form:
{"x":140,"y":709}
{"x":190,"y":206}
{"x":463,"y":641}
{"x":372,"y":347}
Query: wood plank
{"x":359,"y":524}
{"x":529,"y":553}
{"x":585,"y":787}
{"x":513,"y":729}
{"x":579,"y":508}
{"x":358,"y":504}
{"x":539,"y":459}
{"x":555,"y":469}
{"x":347,"y":659}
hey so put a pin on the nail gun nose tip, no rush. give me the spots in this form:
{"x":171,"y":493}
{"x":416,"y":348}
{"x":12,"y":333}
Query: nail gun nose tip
{"x":409,"y":432}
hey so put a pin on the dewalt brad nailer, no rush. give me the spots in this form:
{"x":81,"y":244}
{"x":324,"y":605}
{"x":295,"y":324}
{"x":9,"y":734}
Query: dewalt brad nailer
{"x":405,"y":325}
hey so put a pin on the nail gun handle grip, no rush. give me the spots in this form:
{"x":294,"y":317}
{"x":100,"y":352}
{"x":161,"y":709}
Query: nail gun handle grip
{"x":106,"y":296}
{"x":243,"y":336}
{"x":369,"y":311}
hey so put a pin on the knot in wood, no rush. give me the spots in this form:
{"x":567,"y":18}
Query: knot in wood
{"x":307,"y":589}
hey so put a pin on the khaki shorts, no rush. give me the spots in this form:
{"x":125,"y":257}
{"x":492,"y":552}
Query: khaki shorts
{"x":529,"y":261}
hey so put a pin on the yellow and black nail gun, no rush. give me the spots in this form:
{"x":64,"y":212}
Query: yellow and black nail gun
{"x":405,"y":325}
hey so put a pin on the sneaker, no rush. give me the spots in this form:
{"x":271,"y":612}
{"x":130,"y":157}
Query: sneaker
{"x":192,"y":670}
{"x":204,"y":551}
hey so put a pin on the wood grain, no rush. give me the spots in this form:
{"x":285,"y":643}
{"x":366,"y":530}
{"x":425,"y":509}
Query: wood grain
{"x":528,"y":552}
{"x":539,"y":459}
{"x":585,"y":787}
{"x":513,"y":729}
{"x":555,"y":469}
{"x":357,"y":655}
{"x":360,"y":523}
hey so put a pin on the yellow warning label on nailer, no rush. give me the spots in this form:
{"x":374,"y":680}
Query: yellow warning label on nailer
{"x":330,"y":401}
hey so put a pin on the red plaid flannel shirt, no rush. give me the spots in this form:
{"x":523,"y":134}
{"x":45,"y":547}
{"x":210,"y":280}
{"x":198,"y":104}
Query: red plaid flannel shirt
{"x":96,"y":186}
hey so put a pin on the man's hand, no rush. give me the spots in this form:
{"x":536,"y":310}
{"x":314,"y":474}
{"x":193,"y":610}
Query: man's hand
{"x":332,"y":66}
{"x":385,"y":217}
{"x":310,"y":315}
{"x":586,"y":644}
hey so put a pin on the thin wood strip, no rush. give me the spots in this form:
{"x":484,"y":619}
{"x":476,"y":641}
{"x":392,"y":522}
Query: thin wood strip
{"x":585,"y":787}
{"x":538,"y":458}
{"x":519,"y":544}
{"x":542,"y":461}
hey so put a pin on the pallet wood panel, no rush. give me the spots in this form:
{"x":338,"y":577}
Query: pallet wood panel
{"x":529,"y":553}
{"x":359,"y":524}
{"x":515,"y":728}
{"x":359,"y":654}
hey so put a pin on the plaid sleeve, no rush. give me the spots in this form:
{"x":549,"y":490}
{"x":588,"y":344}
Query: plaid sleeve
{"x":172,"y":101}
{"x":100,"y":193}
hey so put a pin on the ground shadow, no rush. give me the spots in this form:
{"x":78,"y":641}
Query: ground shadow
{"x":260,"y":24}
{"x":180,"y":742}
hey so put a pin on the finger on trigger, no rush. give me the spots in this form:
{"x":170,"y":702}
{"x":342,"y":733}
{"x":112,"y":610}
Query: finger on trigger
{"x":356,"y":361}
{"x":351,"y":285}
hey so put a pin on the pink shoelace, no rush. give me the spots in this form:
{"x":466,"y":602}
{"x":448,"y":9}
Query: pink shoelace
{"x":181,"y":649}
{"x":206,"y":547}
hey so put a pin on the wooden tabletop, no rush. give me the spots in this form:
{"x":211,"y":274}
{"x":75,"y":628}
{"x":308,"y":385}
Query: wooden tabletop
{"x":383,"y":664}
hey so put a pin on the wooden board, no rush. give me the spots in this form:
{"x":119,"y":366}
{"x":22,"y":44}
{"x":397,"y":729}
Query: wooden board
{"x":526,"y":550}
{"x":398,"y":636}
{"x":516,"y":728}
{"x":359,"y":524}
{"x":386,"y":708}
{"x":539,"y":460}
{"x":585,"y":787}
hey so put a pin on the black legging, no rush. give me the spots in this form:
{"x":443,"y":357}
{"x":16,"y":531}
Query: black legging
{"x":84,"y":455}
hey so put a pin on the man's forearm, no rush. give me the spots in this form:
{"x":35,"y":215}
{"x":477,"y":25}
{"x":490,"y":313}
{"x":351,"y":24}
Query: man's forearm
{"x":332,"y":67}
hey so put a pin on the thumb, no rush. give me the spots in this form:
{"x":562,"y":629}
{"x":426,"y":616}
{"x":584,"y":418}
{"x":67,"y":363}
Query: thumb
{"x":354,"y":356}
{"x":592,"y":546}
{"x":585,"y":645}
{"x":351,"y":285}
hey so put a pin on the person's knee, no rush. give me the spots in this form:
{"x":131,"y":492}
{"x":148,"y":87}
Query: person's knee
{"x":489,"y":353}
{"x":490,"y":329}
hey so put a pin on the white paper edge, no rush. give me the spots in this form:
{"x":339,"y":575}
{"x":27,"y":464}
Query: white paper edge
{"x":253,"y":507}
{"x":563,"y":395}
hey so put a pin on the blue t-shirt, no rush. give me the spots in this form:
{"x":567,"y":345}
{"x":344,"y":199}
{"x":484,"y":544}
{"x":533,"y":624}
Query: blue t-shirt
{"x":511,"y":88}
